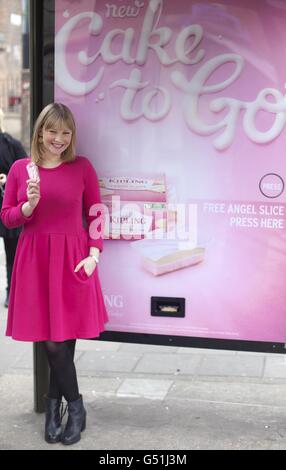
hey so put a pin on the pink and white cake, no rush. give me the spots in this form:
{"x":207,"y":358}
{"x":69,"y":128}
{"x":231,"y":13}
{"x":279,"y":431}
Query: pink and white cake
{"x":33,"y":172}
{"x":164,"y":256}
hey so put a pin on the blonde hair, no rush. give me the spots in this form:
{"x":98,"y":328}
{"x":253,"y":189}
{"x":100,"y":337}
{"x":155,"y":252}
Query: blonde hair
{"x":1,"y":121}
{"x":53,"y":115}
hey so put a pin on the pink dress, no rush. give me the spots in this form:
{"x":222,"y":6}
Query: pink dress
{"x":48,"y":300}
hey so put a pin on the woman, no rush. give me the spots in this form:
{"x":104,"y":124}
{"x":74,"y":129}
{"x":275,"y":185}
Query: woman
{"x":55,"y":291}
{"x":10,"y":151}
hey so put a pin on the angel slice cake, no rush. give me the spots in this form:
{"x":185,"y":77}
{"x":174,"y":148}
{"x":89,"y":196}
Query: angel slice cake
{"x":165,"y":256}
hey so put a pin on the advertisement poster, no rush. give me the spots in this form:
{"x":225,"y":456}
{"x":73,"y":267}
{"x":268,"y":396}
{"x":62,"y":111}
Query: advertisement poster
{"x":180,"y":106}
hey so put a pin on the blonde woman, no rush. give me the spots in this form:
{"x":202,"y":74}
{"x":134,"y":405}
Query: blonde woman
{"x":55,"y":293}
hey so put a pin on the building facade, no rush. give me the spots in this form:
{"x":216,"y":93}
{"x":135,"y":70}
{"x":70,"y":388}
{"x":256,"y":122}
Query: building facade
{"x":11,"y":19}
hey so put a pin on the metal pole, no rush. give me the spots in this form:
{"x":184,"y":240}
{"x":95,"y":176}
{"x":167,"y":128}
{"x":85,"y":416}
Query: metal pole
{"x":25,"y":35}
{"x":25,"y":95}
{"x":41,"y":368}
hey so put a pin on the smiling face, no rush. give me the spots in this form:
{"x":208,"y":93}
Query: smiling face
{"x":54,"y":136}
{"x":56,"y":140}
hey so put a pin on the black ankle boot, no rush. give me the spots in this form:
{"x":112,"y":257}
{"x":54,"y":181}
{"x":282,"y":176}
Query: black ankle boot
{"x":76,"y":422}
{"x":54,"y":415}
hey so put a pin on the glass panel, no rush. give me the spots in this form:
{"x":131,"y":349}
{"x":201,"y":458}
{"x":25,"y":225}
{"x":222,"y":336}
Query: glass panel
{"x":180,"y":106}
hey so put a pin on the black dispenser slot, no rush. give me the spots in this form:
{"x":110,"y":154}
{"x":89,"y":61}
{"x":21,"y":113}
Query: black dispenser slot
{"x":167,"y":307}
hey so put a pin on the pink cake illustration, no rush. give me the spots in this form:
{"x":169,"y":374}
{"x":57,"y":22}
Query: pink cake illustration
{"x":164,"y":256}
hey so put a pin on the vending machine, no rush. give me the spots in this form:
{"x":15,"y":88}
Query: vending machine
{"x":181,"y":108}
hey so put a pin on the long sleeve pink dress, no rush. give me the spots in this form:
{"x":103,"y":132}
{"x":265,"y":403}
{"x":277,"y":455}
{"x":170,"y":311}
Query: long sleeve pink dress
{"x":48,"y":300}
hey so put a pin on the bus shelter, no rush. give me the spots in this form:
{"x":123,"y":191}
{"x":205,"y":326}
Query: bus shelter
{"x":181,"y":108}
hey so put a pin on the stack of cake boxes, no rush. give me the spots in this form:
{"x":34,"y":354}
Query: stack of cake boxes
{"x":138,"y":210}
{"x":136,"y":206}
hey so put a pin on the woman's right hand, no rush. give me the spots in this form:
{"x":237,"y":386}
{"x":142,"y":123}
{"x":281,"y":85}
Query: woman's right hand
{"x":3,"y":179}
{"x":33,"y":193}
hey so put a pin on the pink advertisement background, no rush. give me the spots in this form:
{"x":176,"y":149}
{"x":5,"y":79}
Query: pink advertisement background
{"x":238,"y":291}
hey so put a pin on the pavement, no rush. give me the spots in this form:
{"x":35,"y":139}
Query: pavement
{"x":150,"y":397}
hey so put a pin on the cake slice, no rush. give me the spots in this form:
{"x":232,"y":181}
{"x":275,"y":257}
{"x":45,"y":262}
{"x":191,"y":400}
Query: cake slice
{"x":173,"y":261}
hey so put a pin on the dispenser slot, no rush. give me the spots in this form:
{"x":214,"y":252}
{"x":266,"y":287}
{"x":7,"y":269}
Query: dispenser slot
{"x":167,"y":306}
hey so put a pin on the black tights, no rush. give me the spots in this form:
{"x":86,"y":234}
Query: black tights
{"x":63,"y":378}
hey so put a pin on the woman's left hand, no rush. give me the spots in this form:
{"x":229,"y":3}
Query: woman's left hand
{"x":88,"y":264}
